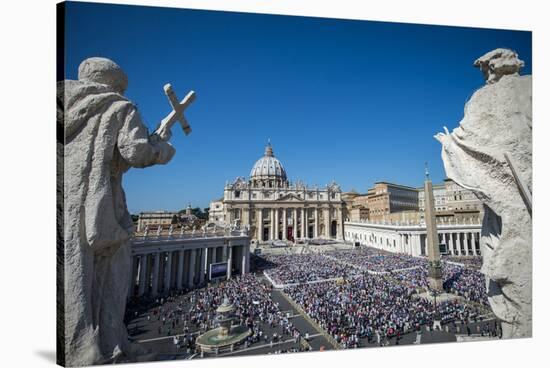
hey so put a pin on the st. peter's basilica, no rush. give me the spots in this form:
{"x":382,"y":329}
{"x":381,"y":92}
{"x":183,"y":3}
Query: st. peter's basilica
{"x":275,"y":209}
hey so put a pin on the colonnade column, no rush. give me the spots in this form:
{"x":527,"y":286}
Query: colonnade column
{"x":180,"y":270}
{"x":202,"y":267}
{"x":168,"y":272}
{"x":446,"y":242}
{"x":142,"y":274}
{"x":452,"y":243}
{"x":475,"y":241}
{"x":155,"y":286}
{"x":191,"y":270}
{"x":229,"y":261}
{"x":418,"y":245}
{"x":132,"y":276}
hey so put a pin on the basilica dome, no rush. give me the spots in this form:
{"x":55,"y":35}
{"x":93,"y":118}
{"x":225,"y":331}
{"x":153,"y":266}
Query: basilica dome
{"x":268,"y":167}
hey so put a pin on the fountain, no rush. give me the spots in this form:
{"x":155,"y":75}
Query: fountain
{"x":225,"y":336}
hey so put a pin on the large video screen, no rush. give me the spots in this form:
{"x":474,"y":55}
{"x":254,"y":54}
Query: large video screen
{"x":218,"y":270}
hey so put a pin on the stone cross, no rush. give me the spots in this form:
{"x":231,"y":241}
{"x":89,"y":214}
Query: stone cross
{"x":164,"y":129}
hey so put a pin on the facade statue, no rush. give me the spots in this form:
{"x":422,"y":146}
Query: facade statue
{"x":490,"y":153}
{"x":101,"y":137}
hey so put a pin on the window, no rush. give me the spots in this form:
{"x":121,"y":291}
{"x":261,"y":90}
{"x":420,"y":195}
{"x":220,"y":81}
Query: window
{"x":237,"y":194}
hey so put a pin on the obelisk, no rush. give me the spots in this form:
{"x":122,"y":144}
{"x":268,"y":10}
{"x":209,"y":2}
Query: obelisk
{"x":432,"y":240}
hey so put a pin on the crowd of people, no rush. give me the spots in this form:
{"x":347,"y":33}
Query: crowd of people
{"x":467,"y":282}
{"x":474,"y":262}
{"x":460,"y":280}
{"x":185,"y":315}
{"x":303,"y":268}
{"x":372,"y":309}
{"x":374,"y":260}
{"x":357,"y":307}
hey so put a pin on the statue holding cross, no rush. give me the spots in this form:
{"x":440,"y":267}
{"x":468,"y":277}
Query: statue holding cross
{"x":103,"y":137}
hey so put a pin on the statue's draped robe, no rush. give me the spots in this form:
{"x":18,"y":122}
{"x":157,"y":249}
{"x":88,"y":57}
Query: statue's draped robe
{"x":104,"y":137}
{"x":498,"y":120}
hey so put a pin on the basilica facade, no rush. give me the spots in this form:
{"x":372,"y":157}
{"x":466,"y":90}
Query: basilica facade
{"x":275,"y":209}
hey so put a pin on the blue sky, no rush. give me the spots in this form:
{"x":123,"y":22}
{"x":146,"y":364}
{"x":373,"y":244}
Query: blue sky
{"x":353,"y":101}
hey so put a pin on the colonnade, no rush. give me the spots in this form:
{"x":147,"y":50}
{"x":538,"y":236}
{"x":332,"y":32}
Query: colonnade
{"x":157,"y":270}
{"x":458,"y":240}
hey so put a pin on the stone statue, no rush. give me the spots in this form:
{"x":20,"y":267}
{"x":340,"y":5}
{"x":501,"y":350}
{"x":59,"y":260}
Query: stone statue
{"x":104,"y":136}
{"x":490,"y":153}
{"x":170,"y":230}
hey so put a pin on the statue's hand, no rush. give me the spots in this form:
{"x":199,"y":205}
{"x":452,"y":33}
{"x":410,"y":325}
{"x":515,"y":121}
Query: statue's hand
{"x":163,"y":132}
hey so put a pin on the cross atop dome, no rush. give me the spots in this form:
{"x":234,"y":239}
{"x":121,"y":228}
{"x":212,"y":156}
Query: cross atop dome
{"x":268,"y":148}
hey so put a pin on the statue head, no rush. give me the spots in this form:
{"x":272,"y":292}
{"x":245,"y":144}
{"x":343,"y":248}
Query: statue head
{"x":498,"y":63}
{"x":103,"y":71}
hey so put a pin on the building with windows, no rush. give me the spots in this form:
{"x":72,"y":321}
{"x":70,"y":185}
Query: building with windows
{"x":453,"y":203}
{"x":386,"y":198}
{"x":153,"y":220}
{"x":216,"y":213}
{"x":273,"y":208}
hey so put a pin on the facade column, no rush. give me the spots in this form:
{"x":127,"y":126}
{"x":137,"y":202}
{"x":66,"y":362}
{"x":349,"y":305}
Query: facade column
{"x":260,"y":225}
{"x":155,"y":287}
{"x":142,"y":274}
{"x":229,"y":261}
{"x":168,"y":272}
{"x":339,"y":226}
{"x":245,"y":220}
{"x":463,"y":243}
{"x":276,"y":224}
{"x":203,"y":265}
{"x":272,"y":224}
{"x":247,"y":252}
{"x":452,"y":243}
{"x":179,"y":277}
{"x":191,"y":269}
{"x":326,"y":220}
{"x":316,"y":225}
{"x":295,"y":224}
{"x":246,"y":259}
{"x":303,"y":227}
{"x":285,"y":223}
